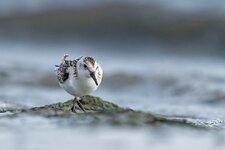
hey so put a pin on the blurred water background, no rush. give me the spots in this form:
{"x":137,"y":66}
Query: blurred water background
{"x":165,"y":57}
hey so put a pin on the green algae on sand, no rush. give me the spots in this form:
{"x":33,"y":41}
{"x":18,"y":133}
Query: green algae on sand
{"x":90,"y":104}
{"x":105,"y":112}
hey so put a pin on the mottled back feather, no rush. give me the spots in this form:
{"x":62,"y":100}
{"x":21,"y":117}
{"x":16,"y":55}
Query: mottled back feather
{"x":62,"y":72}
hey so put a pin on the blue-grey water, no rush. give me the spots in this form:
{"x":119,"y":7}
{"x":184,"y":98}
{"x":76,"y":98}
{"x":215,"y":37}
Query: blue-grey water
{"x":180,"y":79}
{"x":161,"y":83}
{"x":9,"y":7}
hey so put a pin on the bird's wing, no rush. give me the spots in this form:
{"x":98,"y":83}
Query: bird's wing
{"x":62,"y":73}
{"x":74,"y":65}
{"x":62,"y":70}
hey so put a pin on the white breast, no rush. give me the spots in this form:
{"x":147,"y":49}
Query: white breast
{"x":81,"y":85}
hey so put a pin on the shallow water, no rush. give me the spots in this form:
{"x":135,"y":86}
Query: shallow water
{"x":170,"y":85}
{"x":9,"y":7}
{"x":177,"y":80}
{"x":42,"y":133}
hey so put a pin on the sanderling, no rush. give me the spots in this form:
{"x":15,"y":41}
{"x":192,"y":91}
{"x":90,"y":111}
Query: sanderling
{"x":79,"y":77}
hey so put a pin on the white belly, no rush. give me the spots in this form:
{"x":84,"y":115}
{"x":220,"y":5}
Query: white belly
{"x":79,"y":87}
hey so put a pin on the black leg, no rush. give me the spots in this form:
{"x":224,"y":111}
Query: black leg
{"x":80,"y":105}
{"x":73,"y":107}
{"x":77,"y":100}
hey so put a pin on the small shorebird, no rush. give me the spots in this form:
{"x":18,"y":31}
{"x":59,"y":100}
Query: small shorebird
{"x":79,"y":77}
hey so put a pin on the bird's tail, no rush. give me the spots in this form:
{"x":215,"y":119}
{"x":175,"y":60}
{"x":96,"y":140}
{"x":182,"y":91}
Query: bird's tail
{"x":64,"y":57}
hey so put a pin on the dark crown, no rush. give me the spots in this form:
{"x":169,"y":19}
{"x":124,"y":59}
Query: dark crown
{"x":90,"y":60}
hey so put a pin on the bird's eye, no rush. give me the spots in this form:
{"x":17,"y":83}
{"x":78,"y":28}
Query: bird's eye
{"x":85,"y":66}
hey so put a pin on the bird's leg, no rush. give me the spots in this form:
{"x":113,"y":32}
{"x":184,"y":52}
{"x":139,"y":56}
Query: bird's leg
{"x":80,"y":105}
{"x":74,"y":103}
{"x":77,"y":100}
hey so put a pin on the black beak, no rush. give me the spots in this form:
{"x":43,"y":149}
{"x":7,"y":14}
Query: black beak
{"x":92,"y":74}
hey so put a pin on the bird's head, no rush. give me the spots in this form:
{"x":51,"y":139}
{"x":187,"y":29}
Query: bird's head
{"x":87,"y":67}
